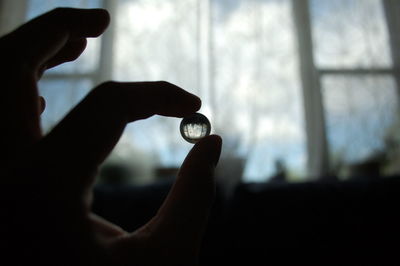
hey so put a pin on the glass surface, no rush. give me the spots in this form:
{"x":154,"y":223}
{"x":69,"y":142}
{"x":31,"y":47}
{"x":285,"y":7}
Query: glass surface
{"x":350,"y":34}
{"x":360,"y":112}
{"x":195,"y":127}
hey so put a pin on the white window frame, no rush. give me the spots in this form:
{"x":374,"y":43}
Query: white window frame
{"x":311,"y":76}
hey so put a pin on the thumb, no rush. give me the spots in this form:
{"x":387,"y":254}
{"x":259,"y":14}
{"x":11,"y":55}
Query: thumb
{"x":182,"y":218}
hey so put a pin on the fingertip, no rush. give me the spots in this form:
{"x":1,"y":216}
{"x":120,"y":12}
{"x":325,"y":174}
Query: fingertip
{"x":205,"y":152}
{"x":184,"y":102}
{"x":196,"y":102}
{"x":191,"y":104}
{"x":192,"y":100}
{"x":213,"y":140}
{"x":102,"y":12}
{"x":216,"y":138}
{"x":213,"y":145}
{"x":103,"y":15}
{"x":101,"y":19}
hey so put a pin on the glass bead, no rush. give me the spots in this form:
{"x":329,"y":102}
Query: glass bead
{"x":195,"y":127}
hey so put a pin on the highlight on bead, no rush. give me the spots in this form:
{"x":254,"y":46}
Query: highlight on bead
{"x":195,"y":127}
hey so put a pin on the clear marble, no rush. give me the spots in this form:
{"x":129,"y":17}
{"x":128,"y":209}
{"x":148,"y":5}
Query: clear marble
{"x":195,"y":127}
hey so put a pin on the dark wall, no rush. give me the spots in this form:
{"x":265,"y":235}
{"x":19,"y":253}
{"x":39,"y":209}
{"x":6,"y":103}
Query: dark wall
{"x":335,"y":223}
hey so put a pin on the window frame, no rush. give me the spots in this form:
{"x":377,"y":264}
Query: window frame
{"x":311,"y":76}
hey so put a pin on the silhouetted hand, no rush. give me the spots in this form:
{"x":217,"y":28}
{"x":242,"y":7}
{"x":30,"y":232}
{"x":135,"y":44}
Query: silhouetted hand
{"x":46,"y":181}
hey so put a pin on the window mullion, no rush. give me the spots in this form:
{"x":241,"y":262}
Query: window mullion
{"x":318,"y":163}
{"x":76,"y":76}
{"x":392,"y":10}
{"x":355,"y":71}
{"x":105,"y":67}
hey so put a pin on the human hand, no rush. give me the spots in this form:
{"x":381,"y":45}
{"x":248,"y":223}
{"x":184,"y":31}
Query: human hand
{"x":47,"y":180}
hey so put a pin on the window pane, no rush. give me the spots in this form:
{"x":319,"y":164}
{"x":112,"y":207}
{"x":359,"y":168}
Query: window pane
{"x":156,"y":40}
{"x":61,"y":95}
{"x":255,"y":69}
{"x":360,"y":111}
{"x":88,"y":61}
{"x":350,"y":33}
{"x":224,"y":53}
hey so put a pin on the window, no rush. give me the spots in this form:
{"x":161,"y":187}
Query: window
{"x":300,"y":85}
{"x":222,"y":51}
{"x":357,"y":77}
{"x":65,"y":85}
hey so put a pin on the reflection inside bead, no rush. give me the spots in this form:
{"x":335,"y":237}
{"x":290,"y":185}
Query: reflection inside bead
{"x":195,"y":127}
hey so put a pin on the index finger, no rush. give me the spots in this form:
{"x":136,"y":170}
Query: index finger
{"x":89,"y":132}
